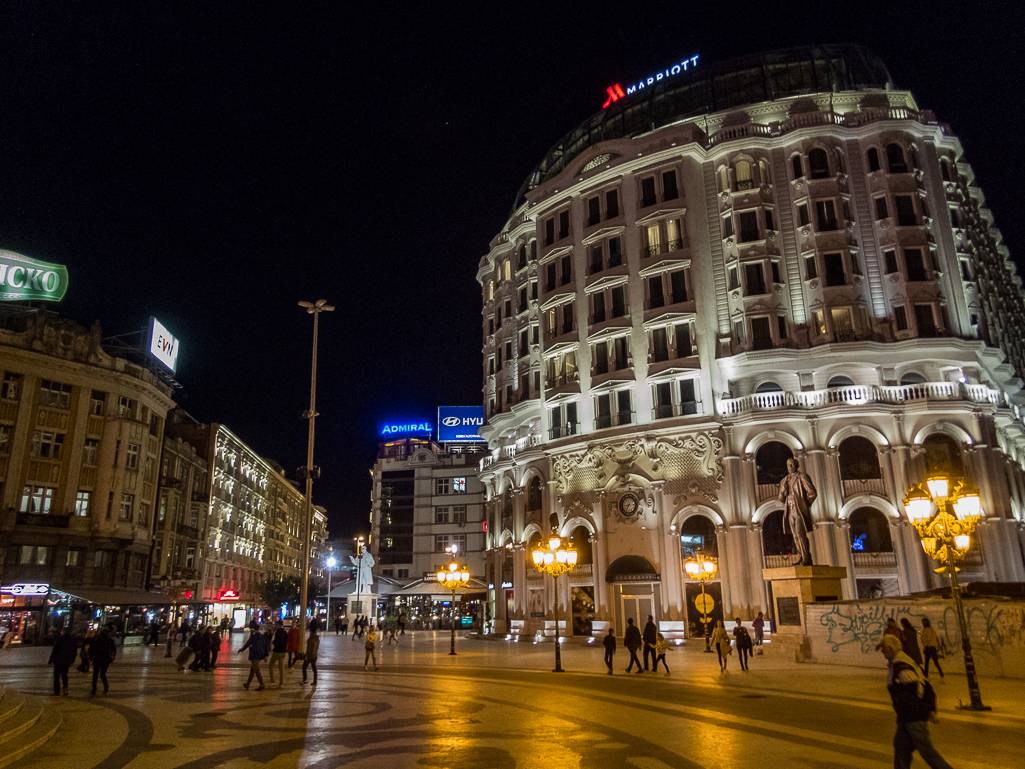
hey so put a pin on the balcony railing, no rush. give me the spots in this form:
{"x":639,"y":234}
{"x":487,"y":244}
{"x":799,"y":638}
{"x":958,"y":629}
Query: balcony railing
{"x":767,"y":491}
{"x":861,"y":394}
{"x":612,"y":420}
{"x":674,"y":410}
{"x":563,"y":431}
{"x":875,"y":560}
{"x":778,"y":561}
{"x":855,"y":486}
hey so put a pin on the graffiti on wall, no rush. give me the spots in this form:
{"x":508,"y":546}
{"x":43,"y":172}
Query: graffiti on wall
{"x":863,"y":624}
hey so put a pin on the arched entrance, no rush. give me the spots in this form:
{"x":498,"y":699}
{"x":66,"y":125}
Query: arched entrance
{"x":698,"y":538}
{"x":636,"y":590}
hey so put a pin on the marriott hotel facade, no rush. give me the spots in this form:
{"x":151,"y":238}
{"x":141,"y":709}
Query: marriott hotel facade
{"x":778,"y":256}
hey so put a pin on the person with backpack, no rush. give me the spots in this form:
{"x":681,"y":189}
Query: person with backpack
{"x":744,"y":645}
{"x":257,"y":645}
{"x":914,"y":701}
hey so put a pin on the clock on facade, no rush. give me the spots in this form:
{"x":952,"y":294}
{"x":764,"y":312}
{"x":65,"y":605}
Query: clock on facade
{"x":628,"y":505}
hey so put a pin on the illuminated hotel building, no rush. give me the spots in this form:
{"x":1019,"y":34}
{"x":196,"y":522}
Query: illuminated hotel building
{"x":777,"y":256}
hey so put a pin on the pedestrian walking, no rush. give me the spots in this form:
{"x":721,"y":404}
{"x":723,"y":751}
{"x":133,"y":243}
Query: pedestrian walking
{"x":257,"y":646}
{"x":312,"y":651}
{"x":660,"y":651}
{"x":356,"y":628}
{"x":909,"y":641}
{"x":196,"y":644}
{"x":345,"y":624}
{"x":172,"y":631}
{"x":610,"y":648}
{"x":364,"y":625}
{"x":154,"y":633}
{"x":721,"y":641}
{"x":402,"y":623}
{"x":62,"y":657}
{"x":392,"y":638}
{"x":759,"y":628}
{"x":929,"y":644}
{"x":649,"y":637}
{"x":90,"y":635}
{"x":216,"y":638}
{"x":892,"y":629}
{"x":102,"y":652}
{"x":338,"y":625}
{"x":184,"y":630}
{"x":370,"y":645}
{"x":203,"y":663}
{"x":914,"y":702}
{"x":632,"y":642}
{"x":278,"y":652}
{"x":744,"y":645}
{"x":293,"y":648}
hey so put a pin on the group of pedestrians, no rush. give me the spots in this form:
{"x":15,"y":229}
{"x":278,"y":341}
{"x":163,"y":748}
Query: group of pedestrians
{"x":359,"y":626}
{"x":278,"y":645}
{"x":202,"y":649}
{"x":909,"y":642}
{"x":652,"y":642}
{"x":98,"y":651}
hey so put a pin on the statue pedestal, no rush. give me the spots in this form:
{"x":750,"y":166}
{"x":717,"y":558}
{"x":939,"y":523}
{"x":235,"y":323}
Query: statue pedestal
{"x":366,"y":603}
{"x":793,"y":588}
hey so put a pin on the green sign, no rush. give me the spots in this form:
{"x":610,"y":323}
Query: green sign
{"x":24,"y":279}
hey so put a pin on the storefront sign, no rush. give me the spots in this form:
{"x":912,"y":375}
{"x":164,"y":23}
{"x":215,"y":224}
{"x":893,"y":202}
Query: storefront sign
{"x":24,"y":279}
{"x":227,"y":594}
{"x":26,"y":588}
{"x":507,"y":585}
{"x":460,"y":423}
{"x":616,"y":92}
{"x":406,"y":427}
{"x":162,"y":345}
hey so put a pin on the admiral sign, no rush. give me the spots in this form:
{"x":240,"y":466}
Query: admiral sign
{"x":407,"y":428}
{"x":24,"y":279}
{"x":460,"y":423}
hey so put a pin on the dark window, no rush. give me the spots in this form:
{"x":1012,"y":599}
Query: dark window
{"x":567,"y":318}
{"x":771,"y":462}
{"x":781,"y":323}
{"x":802,"y":215}
{"x":895,"y":159}
{"x":826,"y":216}
{"x":619,"y":349}
{"x":770,"y":223}
{"x":748,"y":226}
{"x":599,"y":307}
{"x":905,"y":211}
{"x":669,"y":190}
{"x":618,"y":302}
{"x":754,"y":277}
{"x":549,"y":231}
{"x":603,"y":417}
{"x":533,"y":289}
{"x":809,"y":268}
{"x":523,"y":343}
{"x":775,"y":272}
{"x":900,"y":315}
{"x":914,"y":264}
{"x":657,"y":299}
{"x":870,"y":531}
{"x":601,"y":358}
{"x":873,"y":159}
{"x":924,"y":320}
{"x":727,"y":227}
{"x":563,"y":224}
{"x":683,"y":345}
{"x":615,"y":255}
{"x":678,"y":285}
{"x":597,"y":259}
{"x":648,"y":192}
{"x":761,"y":335}
{"x":522,"y":262}
{"x":834,"y":270}
{"x":818,"y":163}
{"x":734,"y":279}
{"x":859,"y":460}
{"x":659,"y":344}
{"x":663,"y":400}
{"x":567,"y":270}
{"x":881,"y":209}
{"x":611,"y":204}
{"x":593,"y":211}
{"x":623,"y":404}
{"x":795,"y":162}
{"x":688,"y":403}
{"x":523,"y":298}
{"x":890,"y":258}
{"x":550,"y":277}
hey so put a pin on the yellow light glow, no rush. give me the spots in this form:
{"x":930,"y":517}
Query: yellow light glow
{"x":465,"y":576}
{"x":692,"y":567}
{"x":554,"y":543}
{"x":538,"y":556}
{"x":967,"y":505}
{"x":708,"y":566}
{"x":549,"y":558}
{"x":963,"y":541}
{"x":441,"y":576}
{"x":572,"y":557}
{"x":918,"y":505}
{"x":938,"y":485}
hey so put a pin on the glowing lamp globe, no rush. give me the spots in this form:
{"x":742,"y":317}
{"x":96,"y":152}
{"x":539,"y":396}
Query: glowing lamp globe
{"x":692,"y":567}
{"x":538,"y":556}
{"x":938,"y":485}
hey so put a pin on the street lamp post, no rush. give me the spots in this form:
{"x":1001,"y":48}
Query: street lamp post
{"x":453,"y":578}
{"x":946,"y":538}
{"x":313,"y":309}
{"x":359,"y":583}
{"x":703,"y":568}
{"x":555,"y":560}
{"x":330,"y":563}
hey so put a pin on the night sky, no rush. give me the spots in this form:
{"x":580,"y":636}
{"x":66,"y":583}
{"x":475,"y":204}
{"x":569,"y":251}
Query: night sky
{"x":213,"y":164}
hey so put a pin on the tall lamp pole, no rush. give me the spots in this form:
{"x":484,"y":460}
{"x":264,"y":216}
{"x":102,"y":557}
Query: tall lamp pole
{"x":454,"y":578}
{"x":946,"y":537}
{"x":555,"y":560}
{"x":313,"y":309}
{"x":330,"y":563}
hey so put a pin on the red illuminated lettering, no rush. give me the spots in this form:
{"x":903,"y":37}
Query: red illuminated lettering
{"x":615,"y":94}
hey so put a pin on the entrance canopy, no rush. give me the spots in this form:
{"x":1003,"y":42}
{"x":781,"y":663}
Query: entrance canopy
{"x":632,"y":568}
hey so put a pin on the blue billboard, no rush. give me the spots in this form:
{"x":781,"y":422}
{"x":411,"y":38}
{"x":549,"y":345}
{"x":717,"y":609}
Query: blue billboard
{"x":460,"y":423}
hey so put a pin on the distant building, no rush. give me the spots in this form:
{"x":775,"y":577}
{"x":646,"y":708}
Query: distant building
{"x":80,"y":441}
{"x":735,"y":264}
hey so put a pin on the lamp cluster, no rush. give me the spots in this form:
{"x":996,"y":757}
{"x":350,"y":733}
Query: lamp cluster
{"x":454,"y":577}
{"x":702,"y":568}
{"x":554,"y":559}
{"x":945,"y":537}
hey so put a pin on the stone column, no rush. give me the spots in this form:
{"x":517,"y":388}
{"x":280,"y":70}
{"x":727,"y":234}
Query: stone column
{"x":738,"y":571}
{"x":722,"y":540}
{"x":598,"y":567}
{"x":842,"y":541}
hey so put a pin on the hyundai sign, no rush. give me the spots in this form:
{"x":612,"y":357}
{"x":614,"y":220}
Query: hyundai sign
{"x":460,"y":423}
{"x":162,"y":345}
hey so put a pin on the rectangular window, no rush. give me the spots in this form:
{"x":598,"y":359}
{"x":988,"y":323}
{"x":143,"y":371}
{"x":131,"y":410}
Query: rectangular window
{"x":655,"y":296}
{"x":11,"y":388}
{"x":5,"y":439}
{"x":549,"y":231}
{"x":624,"y":407}
{"x":124,"y":512}
{"x":597,"y":259}
{"x":653,"y":240}
{"x":459,"y":485}
{"x":925,"y":320}
{"x":550,"y":277}
{"x":781,"y":324}
{"x":966,"y":274}
{"x":567,"y":270}
{"x":843,"y":325}
{"x":523,"y":299}
{"x":648,"y":192}
{"x":603,"y":411}
{"x":663,"y":400}
{"x":442,"y":486}
{"x":54,"y":394}
{"x":34,"y":555}
{"x":754,"y":277}
{"x":563,"y":224}
{"x":618,"y":296}
{"x":681,"y":332}
{"x":678,"y":285}
{"x":835,"y":275}
{"x":881,"y":210}
{"x":125,"y":406}
{"x":593,"y":211}
{"x":47,"y":445}
{"x":620,"y":356}
{"x":75,"y":557}
{"x":96,"y":403}
{"x":905,"y":211}
{"x":890,"y":260}
{"x":132,"y":456}
{"x":900,"y":315}
{"x":612,"y":204}
{"x":567,"y":317}
{"x":761,"y":334}
{"x":825,"y":216}
{"x":598,"y":307}
{"x":523,"y":343}
{"x":659,"y":344}
{"x":615,"y":254}
{"x":103,"y":559}
{"x":802,"y":215}
{"x":727,"y":226}
{"x":748,"y":221}
{"x":688,"y":399}
{"x":459,"y":515}
{"x":36,"y":499}
{"x":819,"y":323}
{"x":669,"y":189}
{"x":82,"y":503}
{"x":770,"y":224}
{"x":774,"y":266}
{"x":734,"y":278}
{"x":915,"y":264}
{"x":601,"y":358}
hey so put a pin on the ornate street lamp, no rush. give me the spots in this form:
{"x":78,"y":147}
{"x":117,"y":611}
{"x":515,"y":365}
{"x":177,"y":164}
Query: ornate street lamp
{"x":555,"y":560}
{"x":331,"y":562}
{"x":453,"y":578}
{"x":314,"y":309}
{"x":946,"y":537}
{"x":703,"y":568}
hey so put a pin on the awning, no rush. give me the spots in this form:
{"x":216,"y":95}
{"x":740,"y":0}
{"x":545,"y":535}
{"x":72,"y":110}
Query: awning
{"x":429,"y":588}
{"x":125,"y":596}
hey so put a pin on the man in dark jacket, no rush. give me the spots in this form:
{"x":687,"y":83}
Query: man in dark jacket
{"x":915,"y":705}
{"x":632,"y":642}
{"x":610,"y":648}
{"x":65,"y":650}
{"x":650,"y":636}
{"x":278,"y":652}
{"x":102,"y":652}
{"x":154,"y":634}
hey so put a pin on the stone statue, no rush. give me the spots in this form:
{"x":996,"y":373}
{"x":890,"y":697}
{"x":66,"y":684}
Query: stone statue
{"x":364,"y":572}
{"x":797,"y":492}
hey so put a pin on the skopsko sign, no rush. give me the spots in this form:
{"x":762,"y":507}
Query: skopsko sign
{"x":23,"y":279}
{"x":616,"y":92}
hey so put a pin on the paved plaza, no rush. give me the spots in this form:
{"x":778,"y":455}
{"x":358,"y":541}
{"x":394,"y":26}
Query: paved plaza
{"x":495,"y":704}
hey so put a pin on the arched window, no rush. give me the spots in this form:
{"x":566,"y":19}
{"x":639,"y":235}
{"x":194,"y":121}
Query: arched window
{"x":534,"y":543}
{"x":870,"y":531}
{"x":523,"y":258}
{"x":943,"y":455}
{"x":795,"y":162}
{"x":840,"y":381}
{"x":895,"y":159}
{"x":533,"y":503}
{"x":768,"y":387}
{"x":859,"y":460}
{"x":873,"y":159}
{"x":764,"y":178}
{"x":911,"y":378}
{"x":507,"y":509}
{"x":771,"y":463}
{"x":697,"y":535}
{"x":774,"y":540}
{"x":742,"y":174}
{"x":581,"y":541}
{"x":533,"y":249}
{"x":818,"y":163}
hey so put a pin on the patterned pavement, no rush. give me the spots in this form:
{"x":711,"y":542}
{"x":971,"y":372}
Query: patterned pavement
{"x":495,"y":704}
